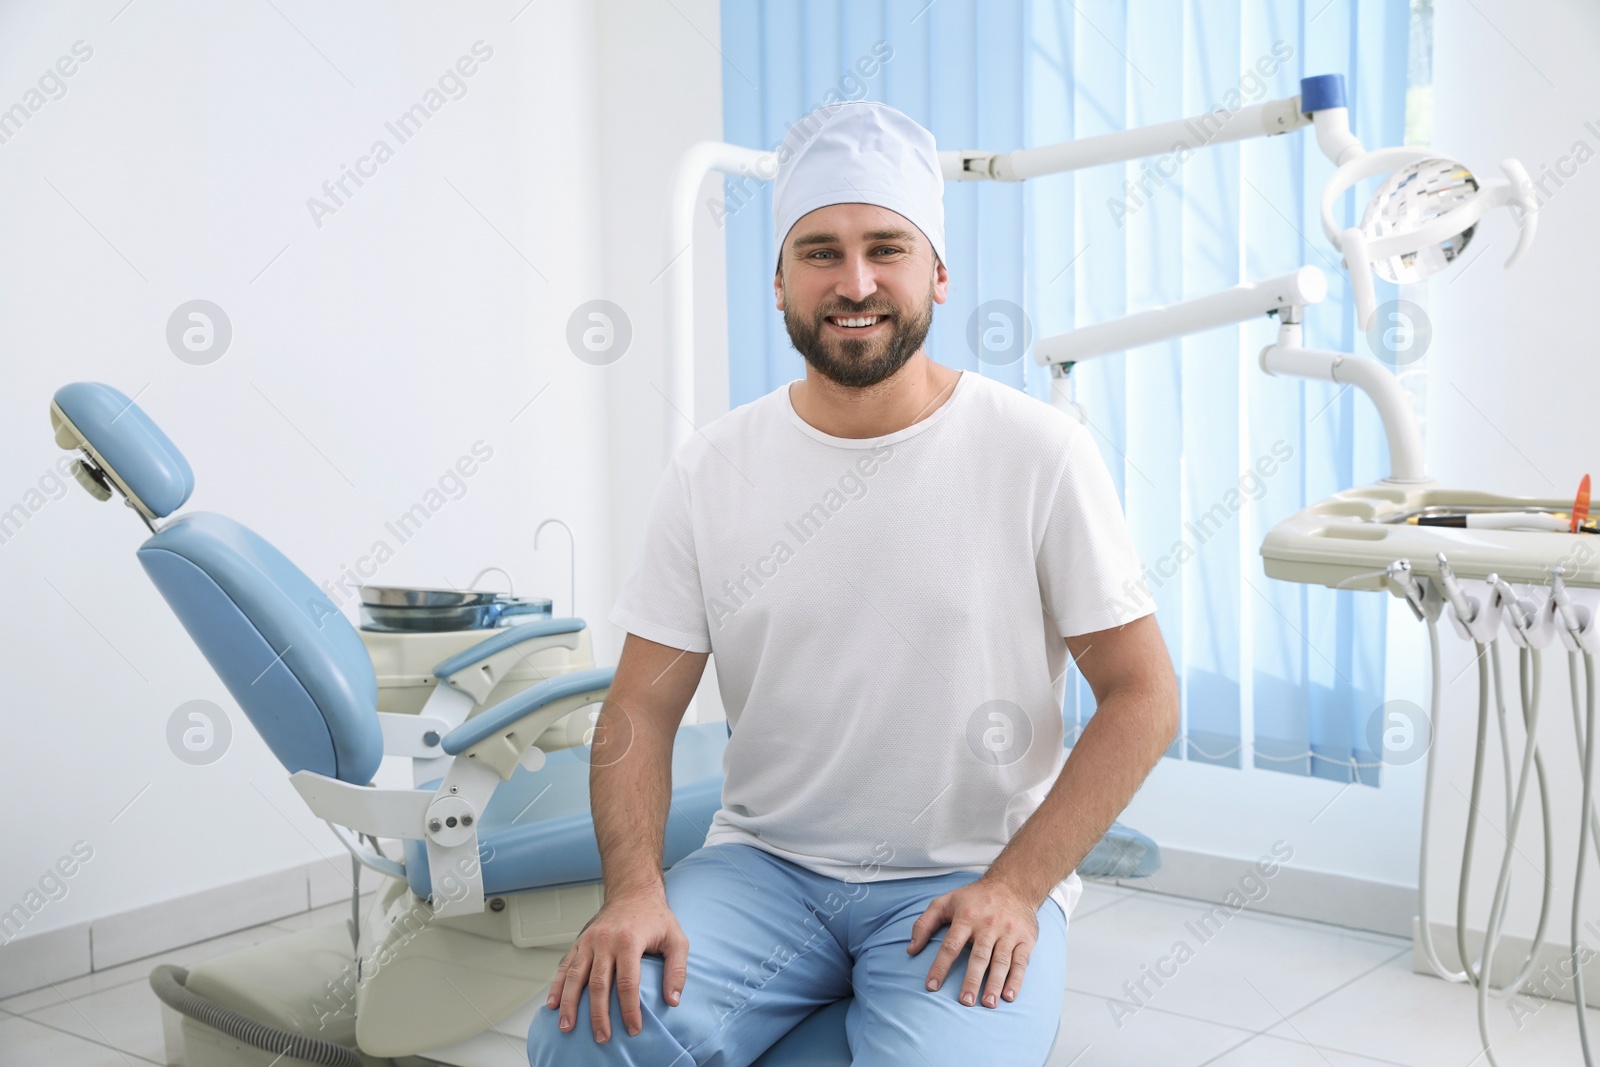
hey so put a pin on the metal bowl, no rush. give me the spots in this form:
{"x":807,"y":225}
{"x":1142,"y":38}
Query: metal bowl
{"x":390,"y":609}
{"x":398,"y":596}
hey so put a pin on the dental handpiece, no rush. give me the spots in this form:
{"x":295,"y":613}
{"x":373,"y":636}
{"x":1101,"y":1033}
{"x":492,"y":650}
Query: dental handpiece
{"x":1572,"y":615}
{"x":1520,"y":619}
{"x":1465,"y":607}
{"x":1400,"y":574}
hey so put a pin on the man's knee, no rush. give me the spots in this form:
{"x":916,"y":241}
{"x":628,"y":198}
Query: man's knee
{"x":550,"y":1046}
{"x":664,"y":1035}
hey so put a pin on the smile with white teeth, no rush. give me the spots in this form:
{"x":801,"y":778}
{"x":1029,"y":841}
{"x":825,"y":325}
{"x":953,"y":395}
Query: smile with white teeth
{"x":856,"y":322}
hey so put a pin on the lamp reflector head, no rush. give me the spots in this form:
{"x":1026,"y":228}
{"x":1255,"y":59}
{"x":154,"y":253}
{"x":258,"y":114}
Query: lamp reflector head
{"x":1409,"y":198}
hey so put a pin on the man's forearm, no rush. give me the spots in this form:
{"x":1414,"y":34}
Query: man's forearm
{"x":630,"y":787}
{"x":1123,"y":741}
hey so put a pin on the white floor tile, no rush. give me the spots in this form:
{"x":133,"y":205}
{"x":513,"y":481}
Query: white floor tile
{"x":1268,"y":1051}
{"x":126,"y":1017}
{"x":1097,"y":896}
{"x":25,"y":1043}
{"x":1211,"y":972}
{"x":1396,"y":1014}
{"x":1091,"y":1038}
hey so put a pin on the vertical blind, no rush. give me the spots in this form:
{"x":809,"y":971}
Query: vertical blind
{"x":1206,"y":450}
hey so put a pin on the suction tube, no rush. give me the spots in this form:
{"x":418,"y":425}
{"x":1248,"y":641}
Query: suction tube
{"x":170,"y":985}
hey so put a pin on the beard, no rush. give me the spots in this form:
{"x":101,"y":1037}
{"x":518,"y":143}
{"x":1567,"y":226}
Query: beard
{"x":859,"y":364}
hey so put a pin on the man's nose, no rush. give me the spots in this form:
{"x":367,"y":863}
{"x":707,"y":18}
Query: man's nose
{"x":859,"y":279}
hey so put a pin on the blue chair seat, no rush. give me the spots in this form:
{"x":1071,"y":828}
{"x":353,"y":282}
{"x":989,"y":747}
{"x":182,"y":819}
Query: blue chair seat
{"x":537,"y":830}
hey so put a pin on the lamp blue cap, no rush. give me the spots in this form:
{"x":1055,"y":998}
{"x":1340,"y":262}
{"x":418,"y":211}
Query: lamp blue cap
{"x":1320,"y":92}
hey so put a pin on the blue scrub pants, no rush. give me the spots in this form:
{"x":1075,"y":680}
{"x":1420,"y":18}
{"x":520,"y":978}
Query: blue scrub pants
{"x":769,"y":942}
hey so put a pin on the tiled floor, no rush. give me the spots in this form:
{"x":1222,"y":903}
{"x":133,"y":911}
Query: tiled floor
{"x":1258,"y":991}
{"x":1264,"y":990}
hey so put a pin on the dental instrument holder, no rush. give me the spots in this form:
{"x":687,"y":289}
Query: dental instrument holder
{"x":1533,"y":615}
{"x":1525,"y":622}
{"x":1421,"y":594}
{"x":1475,"y":618}
{"x":1572,"y":621}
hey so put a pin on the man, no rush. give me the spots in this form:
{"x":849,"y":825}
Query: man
{"x":891,"y":562}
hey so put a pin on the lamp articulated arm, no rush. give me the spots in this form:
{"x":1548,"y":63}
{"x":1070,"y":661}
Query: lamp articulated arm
{"x":1285,"y":297}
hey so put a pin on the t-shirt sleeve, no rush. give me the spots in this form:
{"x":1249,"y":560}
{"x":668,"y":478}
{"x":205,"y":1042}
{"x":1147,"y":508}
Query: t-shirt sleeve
{"x":1089,"y":573}
{"x":660,"y":598}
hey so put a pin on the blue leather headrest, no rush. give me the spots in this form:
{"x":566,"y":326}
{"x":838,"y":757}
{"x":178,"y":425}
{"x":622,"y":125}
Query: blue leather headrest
{"x":122,"y":441}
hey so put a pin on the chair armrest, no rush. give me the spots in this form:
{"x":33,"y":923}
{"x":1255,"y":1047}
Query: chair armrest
{"x":495,"y":656}
{"x":498,"y":736}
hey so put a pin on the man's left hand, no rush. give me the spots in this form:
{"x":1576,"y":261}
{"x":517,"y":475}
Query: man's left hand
{"x":1002,"y":926}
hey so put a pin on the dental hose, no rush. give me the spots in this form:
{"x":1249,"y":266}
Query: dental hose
{"x":1584,"y":727}
{"x":1472,"y":814}
{"x":1501,"y":721}
{"x":1578,"y":732}
{"x":1428,"y":951}
{"x":1529,"y":691}
{"x":1478,"y":974}
{"x":1587,"y":742}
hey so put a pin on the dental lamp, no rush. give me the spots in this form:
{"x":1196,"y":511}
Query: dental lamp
{"x":1421,"y":219}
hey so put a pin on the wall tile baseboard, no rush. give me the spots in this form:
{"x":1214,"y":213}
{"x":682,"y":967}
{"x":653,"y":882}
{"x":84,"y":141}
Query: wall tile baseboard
{"x":1295,"y":893}
{"x":38,"y":960}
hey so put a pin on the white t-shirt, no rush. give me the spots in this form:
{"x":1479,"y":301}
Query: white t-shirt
{"x":887,"y":617}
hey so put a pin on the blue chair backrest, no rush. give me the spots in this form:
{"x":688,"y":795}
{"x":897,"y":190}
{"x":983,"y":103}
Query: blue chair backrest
{"x":292,"y":661}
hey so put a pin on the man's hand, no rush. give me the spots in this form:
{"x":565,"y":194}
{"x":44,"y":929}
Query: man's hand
{"x":611,"y":945}
{"x":1002,"y":926}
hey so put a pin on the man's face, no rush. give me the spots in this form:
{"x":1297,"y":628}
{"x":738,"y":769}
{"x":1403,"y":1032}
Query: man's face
{"x":849,"y":263}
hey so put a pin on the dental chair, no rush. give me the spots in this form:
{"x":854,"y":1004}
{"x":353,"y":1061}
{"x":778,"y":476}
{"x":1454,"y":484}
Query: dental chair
{"x":499,"y":868}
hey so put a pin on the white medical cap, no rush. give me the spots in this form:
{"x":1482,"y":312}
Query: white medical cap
{"x":859,"y":152}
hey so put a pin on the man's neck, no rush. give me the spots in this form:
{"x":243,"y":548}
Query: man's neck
{"x":903,"y":399}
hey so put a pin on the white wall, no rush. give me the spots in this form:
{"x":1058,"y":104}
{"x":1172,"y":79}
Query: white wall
{"x":660,"y":90}
{"x":369,"y":355}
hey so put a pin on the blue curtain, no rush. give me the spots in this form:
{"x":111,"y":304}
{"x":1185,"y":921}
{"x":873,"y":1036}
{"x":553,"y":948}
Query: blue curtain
{"x":1207,"y":451}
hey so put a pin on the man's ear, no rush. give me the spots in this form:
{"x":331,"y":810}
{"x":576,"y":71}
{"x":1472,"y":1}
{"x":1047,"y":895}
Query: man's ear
{"x":777,"y":288}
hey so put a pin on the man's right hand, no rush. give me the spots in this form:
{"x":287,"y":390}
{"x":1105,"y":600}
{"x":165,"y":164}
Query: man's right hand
{"x":610,"y":946}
